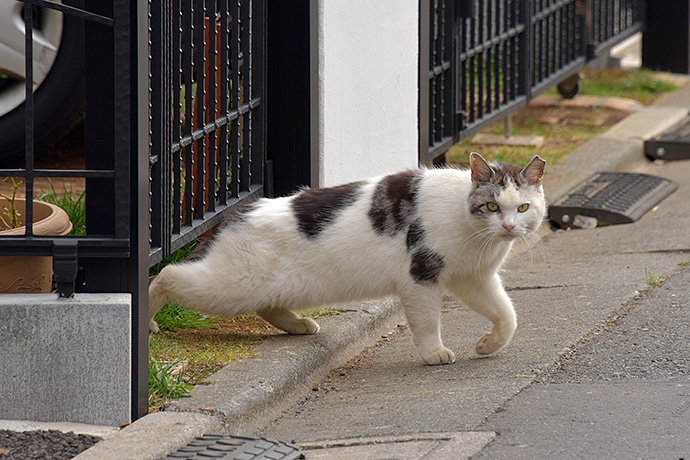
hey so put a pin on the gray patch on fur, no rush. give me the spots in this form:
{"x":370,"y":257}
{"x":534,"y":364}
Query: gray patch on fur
{"x":415,"y":234}
{"x":393,"y":202}
{"x":315,"y":209}
{"x":426,"y":266}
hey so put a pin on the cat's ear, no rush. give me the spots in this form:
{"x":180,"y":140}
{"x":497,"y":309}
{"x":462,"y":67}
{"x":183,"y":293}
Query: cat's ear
{"x":534,"y":171}
{"x":481,"y":170}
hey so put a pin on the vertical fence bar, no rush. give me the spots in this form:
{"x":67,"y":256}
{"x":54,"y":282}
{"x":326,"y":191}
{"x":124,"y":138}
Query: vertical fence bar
{"x":224,"y":100}
{"x":187,"y":74}
{"x":178,"y":72}
{"x":246,"y":46}
{"x":212,"y":105}
{"x":235,"y":52}
{"x":199,"y":150}
{"x":29,"y":117}
{"x":258,"y":85}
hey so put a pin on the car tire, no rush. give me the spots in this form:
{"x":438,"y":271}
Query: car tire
{"x":58,"y":101}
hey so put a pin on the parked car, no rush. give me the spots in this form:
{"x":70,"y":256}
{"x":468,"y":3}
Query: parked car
{"x":58,"y":74}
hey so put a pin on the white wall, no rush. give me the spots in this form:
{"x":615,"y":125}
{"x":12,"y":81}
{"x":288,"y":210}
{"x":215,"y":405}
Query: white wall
{"x":367,"y":85}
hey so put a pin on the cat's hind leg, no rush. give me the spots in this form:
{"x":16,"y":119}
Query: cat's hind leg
{"x":159,"y":291}
{"x":422,"y":305}
{"x":488,"y":298}
{"x":289,"y":321}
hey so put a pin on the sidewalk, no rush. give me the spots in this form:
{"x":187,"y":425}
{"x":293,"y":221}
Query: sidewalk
{"x":572,"y":284}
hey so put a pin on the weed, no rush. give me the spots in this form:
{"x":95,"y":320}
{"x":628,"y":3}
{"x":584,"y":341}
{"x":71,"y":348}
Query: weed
{"x":166,"y":382}
{"x":11,"y":213}
{"x":651,"y":280}
{"x":74,"y":207}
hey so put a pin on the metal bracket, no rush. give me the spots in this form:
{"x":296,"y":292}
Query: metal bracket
{"x":65,"y":266}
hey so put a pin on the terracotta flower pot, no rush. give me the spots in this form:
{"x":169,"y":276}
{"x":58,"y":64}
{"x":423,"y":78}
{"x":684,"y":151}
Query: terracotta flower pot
{"x":31,"y":274}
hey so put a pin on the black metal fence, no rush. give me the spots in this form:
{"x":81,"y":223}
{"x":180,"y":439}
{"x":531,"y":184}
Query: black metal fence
{"x":207,"y":124}
{"x":112,"y":238}
{"x":481,"y":60}
{"x":174,"y":139}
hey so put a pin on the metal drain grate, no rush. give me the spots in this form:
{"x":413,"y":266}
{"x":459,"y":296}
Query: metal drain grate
{"x":212,"y":446}
{"x":672,"y":144}
{"x":611,"y":198}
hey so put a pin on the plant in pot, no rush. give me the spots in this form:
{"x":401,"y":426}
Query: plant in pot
{"x":28,"y":274}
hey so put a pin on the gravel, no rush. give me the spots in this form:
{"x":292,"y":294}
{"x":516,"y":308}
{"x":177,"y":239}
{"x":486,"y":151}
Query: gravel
{"x":43,"y":445}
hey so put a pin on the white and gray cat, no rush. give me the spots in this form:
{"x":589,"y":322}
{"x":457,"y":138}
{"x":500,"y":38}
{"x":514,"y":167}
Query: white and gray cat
{"x":417,"y":234}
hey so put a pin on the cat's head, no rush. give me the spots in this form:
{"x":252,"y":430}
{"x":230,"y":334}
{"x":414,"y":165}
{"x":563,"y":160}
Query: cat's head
{"x":506,"y":200}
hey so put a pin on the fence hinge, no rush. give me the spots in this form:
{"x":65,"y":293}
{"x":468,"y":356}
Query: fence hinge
{"x":65,"y":266}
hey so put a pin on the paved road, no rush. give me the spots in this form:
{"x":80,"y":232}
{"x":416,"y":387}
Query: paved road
{"x":624,"y":393}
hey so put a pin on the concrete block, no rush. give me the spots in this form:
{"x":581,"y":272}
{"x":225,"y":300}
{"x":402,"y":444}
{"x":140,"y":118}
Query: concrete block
{"x":66,"y":360}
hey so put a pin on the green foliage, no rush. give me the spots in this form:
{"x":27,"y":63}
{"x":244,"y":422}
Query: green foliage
{"x":651,"y":280}
{"x":642,"y":85}
{"x":74,"y":207}
{"x":166,"y":382}
{"x":173,"y":317}
{"x":11,"y":213}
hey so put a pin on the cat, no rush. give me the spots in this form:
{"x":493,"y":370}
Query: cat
{"x":416,"y":233}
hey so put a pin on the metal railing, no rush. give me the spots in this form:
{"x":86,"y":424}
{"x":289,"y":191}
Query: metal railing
{"x":481,"y":60}
{"x":208,"y":132}
{"x":174,"y":139}
{"x":112,"y":237}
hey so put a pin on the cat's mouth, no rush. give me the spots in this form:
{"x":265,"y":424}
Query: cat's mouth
{"x":508,"y":235}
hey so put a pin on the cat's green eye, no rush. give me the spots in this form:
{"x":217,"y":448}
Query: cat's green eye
{"x":523,"y":207}
{"x":491,"y":206}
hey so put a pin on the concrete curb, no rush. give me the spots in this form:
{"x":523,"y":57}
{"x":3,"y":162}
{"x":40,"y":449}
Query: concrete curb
{"x":152,"y":437}
{"x":244,"y":394}
{"x":247,"y":392}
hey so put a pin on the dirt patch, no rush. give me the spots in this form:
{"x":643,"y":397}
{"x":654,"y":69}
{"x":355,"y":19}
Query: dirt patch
{"x":570,"y":116}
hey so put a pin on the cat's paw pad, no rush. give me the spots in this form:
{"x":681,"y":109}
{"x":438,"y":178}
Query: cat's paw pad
{"x":441,"y":355}
{"x":304,"y":326}
{"x":153,"y":327}
{"x":488,"y":344}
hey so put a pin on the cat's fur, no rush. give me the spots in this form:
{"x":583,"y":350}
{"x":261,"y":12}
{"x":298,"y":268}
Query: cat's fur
{"x":415,"y":234}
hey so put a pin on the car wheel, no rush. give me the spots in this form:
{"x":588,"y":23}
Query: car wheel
{"x":58,"y":76}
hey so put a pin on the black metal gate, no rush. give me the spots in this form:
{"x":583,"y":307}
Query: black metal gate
{"x":174,"y":139}
{"x":481,"y":60}
{"x":207,"y":117}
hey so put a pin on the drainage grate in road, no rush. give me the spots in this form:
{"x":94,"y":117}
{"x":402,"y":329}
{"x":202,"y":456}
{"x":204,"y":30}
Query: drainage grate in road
{"x":212,"y":446}
{"x":610,"y":198}
{"x":672,"y":144}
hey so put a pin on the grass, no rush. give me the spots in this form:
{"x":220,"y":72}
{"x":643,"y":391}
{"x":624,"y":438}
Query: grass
{"x":75,"y":207}
{"x":565,"y":129}
{"x":190,"y":353}
{"x":651,"y":280}
{"x":642,"y":85}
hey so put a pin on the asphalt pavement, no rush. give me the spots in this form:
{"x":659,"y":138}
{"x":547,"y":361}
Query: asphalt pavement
{"x":597,"y":369}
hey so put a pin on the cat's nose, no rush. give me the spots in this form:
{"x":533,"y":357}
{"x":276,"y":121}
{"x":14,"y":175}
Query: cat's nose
{"x":508,"y":226}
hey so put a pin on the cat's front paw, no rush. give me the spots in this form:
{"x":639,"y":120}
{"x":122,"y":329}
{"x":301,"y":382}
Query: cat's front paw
{"x":441,"y":355}
{"x":488,"y":344}
{"x":153,"y":326}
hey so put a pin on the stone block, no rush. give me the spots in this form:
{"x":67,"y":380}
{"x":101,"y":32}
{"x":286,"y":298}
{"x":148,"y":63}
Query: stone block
{"x":66,"y":360}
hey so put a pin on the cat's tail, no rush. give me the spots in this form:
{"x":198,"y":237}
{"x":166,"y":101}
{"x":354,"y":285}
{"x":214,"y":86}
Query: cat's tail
{"x":159,"y":295}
